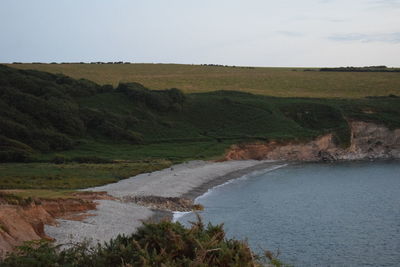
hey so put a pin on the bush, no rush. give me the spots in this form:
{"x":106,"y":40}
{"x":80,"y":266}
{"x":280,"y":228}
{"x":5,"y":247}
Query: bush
{"x":52,"y":141}
{"x":59,"y":159}
{"x":13,"y":130}
{"x":15,"y":200}
{"x":314,"y":116}
{"x":135,"y":137}
{"x":106,"y":88}
{"x":93,"y":118}
{"x":162,"y":244}
{"x":14,"y":151}
{"x":91,"y":159}
{"x":10,"y":143}
{"x":159,"y":100}
{"x":15,"y":155}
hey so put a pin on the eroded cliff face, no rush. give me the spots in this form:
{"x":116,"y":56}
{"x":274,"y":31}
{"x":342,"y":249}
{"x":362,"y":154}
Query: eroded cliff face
{"x":368,"y":141}
{"x":20,"y":223}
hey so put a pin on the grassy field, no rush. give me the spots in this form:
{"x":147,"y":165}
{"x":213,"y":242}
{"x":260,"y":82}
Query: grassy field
{"x":281,"y":82}
{"x":69,"y":176}
{"x":25,"y":194}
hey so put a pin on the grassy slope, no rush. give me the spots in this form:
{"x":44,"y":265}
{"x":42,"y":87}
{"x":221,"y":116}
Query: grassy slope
{"x":282,"y":82}
{"x":205,"y":126}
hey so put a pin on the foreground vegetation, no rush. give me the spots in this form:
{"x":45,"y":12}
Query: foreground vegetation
{"x":280,"y":82}
{"x":162,"y":244}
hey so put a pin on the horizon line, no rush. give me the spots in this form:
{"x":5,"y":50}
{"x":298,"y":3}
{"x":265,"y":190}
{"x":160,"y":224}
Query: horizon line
{"x":171,"y":63}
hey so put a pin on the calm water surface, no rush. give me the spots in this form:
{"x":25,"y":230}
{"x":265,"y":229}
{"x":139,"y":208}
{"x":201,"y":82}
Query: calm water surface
{"x":345,"y":214}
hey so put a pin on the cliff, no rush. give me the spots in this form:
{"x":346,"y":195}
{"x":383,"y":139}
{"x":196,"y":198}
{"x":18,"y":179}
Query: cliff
{"x":25,"y":222}
{"x":368,"y":141}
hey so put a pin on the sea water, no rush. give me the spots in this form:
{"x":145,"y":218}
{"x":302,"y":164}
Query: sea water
{"x":342,"y":214}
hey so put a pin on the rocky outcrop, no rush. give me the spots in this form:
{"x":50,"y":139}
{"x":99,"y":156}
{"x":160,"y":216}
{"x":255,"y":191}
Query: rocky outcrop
{"x":25,"y":222}
{"x":368,"y":141}
{"x":164,"y":203}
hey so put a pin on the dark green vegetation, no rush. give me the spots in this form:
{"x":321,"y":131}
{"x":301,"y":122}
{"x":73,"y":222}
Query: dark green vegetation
{"x":363,"y":69}
{"x":163,"y":244}
{"x":50,"y":118}
{"x":6,"y":198}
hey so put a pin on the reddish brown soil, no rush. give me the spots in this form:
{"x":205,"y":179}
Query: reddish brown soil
{"x":20,"y":223}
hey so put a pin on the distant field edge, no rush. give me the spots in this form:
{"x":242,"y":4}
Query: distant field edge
{"x":270,"y":81}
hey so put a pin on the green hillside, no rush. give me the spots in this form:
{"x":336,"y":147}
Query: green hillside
{"x":51,"y":118}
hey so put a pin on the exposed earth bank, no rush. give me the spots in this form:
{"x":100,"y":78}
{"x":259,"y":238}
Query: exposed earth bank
{"x":20,"y":222}
{"x":368,"y":141}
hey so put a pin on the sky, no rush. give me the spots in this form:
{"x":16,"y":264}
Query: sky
{"x":284,"y":33}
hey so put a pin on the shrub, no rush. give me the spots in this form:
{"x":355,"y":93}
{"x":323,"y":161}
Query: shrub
{"x":159,"y":100}
{"x":52,"y":141}
{"x":59,"y":159}
{"x":91,"y":159}
{"x":15,"y":155}
{"x":135,"y":137}
{"x":10,"y":143}
{"x":161,"y":244}
{"x":15,"y":200}
{"x":106,"y":88}
{"x":314,"y":116}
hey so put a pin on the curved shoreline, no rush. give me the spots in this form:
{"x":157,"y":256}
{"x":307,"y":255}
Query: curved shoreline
{"x":205,"y":187}
{"x":186,"y":180}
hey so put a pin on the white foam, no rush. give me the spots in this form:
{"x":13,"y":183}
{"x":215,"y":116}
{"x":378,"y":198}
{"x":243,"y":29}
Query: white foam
{"x":179,"y":214}
{"x":242,"y":178}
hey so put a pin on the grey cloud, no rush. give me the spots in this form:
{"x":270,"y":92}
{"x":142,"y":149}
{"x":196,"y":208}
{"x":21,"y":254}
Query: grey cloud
{"x":336,"y":20}
{"x":308,"y":18}
{"x":290,"y":33}
{"x":386,"y":3}
{"x":367,"y":38}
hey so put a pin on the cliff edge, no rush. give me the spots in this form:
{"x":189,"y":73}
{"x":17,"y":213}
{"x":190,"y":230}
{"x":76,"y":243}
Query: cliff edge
{"x":368,"y":141}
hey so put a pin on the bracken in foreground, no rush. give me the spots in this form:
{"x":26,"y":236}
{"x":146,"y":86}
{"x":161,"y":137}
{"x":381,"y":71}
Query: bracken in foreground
{"x":155,"y":244}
